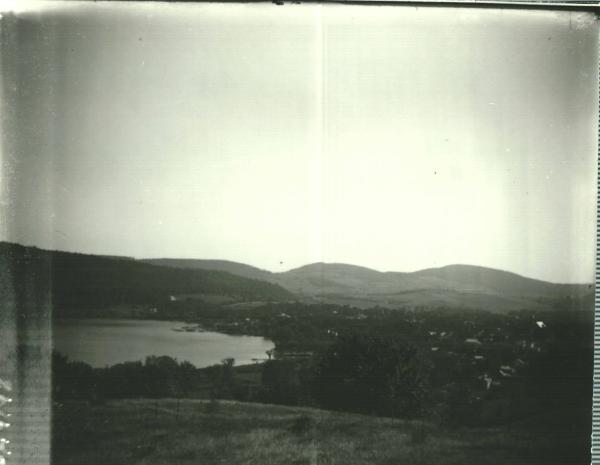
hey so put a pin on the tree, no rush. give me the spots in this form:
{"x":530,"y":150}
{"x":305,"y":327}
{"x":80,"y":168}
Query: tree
{"x":71,"y":380}
{"x":162,"y":375}
{"x":372,"y":374}
{"x":284,"y":382}
{"x":223,"y":379}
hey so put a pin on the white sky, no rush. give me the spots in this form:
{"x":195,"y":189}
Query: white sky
{"x":389,"y":137}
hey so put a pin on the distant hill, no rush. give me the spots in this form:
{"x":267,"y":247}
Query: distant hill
{"x":80,"y":280}
{"x":76,"y":281}
{"x":453,"y":286}
{"x":464,"y":286}
{"x":489,"y":280}
{"x":235,"y":268}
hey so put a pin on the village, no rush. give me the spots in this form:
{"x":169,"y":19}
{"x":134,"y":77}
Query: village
{"x":490,"y":357}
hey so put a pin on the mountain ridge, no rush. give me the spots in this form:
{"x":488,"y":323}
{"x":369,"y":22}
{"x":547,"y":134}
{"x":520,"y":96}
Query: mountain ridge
{"x":82,"y":281}
{"x":229,"y":266}
{"x":457,"y":285}
{"x":197,"y":263}
{"x":449,"y":285}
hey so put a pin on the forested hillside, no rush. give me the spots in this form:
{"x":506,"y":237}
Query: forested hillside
{"x":78,"y":281}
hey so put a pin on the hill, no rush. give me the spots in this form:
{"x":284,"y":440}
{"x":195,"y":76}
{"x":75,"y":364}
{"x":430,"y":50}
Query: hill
{"x":481,"y":279}
{"x":239,"y":269}
{"x":78,"y":281}
{"x":185,"y":432}
{"x":453,"y":286}
{"x":464,"y":286}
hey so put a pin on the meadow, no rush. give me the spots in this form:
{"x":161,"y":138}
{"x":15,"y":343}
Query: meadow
{"x":186,"y":432}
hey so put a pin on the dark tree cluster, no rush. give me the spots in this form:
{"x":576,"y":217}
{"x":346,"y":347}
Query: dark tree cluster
{"x":156,"y":377}
{"x":461,"y":367}
{"x":80,"y":282}
{"x":372,"y":374}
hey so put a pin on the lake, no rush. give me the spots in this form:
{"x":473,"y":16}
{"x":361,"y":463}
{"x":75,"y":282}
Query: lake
{"x":104,"y":342}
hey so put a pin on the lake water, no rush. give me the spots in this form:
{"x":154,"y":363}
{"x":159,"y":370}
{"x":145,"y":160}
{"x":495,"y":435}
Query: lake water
{"x":104,"y":342}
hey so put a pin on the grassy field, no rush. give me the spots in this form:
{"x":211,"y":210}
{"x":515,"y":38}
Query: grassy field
{"x":144,"y":432}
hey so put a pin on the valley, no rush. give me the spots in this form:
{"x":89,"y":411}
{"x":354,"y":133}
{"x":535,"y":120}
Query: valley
{"x":469,"y":351}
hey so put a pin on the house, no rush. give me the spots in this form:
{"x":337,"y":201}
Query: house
{"x":487,"y":379}
{"x":535,"y":346}
{"x":3,"y":443}
{"x":506,"y":371}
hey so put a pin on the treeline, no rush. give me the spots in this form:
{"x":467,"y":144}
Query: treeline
{"x":296,"y":326}
{"x":361,"y":373}
{"x":78,"y":282}
{"x":358,"y":373}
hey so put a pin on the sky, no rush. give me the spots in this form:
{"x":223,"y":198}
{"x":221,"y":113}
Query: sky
{"x":395,"y":138}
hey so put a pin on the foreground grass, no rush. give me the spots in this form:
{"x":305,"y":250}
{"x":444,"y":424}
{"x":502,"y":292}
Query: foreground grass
{"x":144,"y":432}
